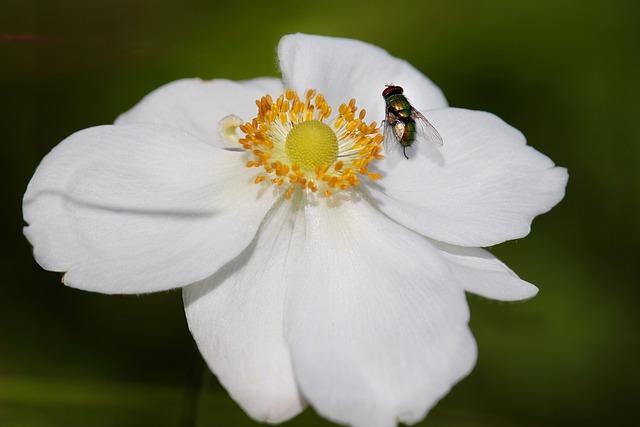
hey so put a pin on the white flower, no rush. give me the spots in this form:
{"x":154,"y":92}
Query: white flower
{"x":313,"y":271}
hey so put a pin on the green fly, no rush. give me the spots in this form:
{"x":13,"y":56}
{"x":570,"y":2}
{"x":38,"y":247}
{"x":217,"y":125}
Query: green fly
{"x":403,"y":123}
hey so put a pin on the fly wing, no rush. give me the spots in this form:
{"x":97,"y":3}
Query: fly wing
{"x":390,"y":132}
{"x":427,"y":131}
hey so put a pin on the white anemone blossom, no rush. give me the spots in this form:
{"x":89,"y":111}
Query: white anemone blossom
{"x":317,"y":267}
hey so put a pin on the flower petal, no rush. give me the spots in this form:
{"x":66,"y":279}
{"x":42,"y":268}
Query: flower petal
{"x":197,"y":106}
{"x":479,"y":272}
{"x":482,"y":187}
{"x":236,"y":316}
{"x":343,"y":68}
{"x":376,"y":324}
{"x":132,"y":209}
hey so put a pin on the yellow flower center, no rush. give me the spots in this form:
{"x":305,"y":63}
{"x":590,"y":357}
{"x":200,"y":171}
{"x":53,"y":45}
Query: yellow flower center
{"x":298,"y":147}
{"x":312,"y":144}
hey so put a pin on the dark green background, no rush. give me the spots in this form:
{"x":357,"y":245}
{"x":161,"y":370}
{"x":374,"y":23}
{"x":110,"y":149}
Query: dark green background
{"x":565,"y":73}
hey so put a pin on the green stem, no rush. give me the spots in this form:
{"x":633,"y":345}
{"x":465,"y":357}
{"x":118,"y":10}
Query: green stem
{"x":195,"y":387}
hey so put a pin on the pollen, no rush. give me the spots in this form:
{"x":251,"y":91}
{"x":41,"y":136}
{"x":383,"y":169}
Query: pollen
{"x":298,"y":145}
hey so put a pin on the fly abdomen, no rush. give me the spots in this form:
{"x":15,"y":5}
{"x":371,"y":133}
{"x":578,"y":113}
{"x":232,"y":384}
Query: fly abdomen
{"x":409,"y":134}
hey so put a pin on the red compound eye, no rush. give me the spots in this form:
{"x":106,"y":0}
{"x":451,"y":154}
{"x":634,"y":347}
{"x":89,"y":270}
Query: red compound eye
{"x":392,"y":90}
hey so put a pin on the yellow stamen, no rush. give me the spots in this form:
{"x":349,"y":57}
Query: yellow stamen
{"x":289,"y":192}
{"x":294,"y":142}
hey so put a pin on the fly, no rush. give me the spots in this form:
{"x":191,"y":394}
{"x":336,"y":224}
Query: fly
{"x":403,"y":122}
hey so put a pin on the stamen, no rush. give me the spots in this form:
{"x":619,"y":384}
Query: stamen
{"x":295,"y":142}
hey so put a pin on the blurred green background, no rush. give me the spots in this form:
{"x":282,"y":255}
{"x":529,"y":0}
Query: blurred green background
{"x":566,"y":73}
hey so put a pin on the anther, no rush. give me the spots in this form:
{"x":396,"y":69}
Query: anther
{"x":292,"y":144}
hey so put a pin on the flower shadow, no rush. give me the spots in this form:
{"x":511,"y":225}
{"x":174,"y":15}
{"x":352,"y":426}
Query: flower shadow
{"x":174,"y":213}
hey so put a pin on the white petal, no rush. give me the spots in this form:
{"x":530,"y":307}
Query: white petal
{"x":197,"y":106}
{"x":343,"y":68}
{"x":376,"y":324}
{"x":479,"y":272}
{"x":482,"y":187}
{"x":236,"y":318}
{"x":132,"y":209}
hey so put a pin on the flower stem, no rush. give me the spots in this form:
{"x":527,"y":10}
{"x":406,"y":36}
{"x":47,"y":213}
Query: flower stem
{"x":195,"y":387}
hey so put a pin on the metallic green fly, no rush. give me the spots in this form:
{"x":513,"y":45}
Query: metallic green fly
{"x":404,"y":124}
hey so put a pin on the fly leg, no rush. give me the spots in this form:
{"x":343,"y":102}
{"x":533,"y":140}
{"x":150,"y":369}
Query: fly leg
{"x":404,"y":151}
